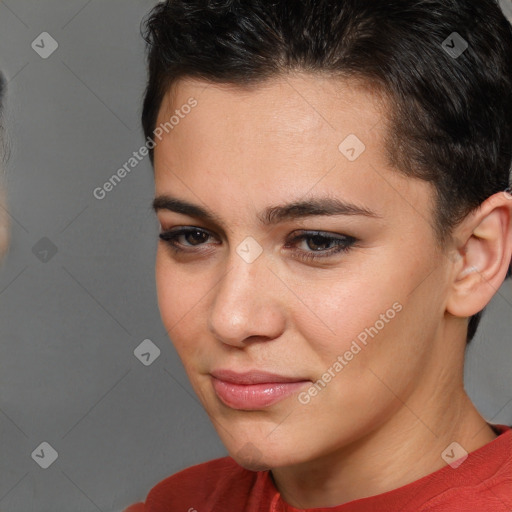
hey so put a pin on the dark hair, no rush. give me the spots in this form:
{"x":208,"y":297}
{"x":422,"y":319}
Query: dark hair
{"x":450,"y":114}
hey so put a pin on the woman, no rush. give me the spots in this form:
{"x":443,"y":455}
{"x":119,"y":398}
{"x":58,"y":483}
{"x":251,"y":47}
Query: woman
{"x":335,"y":216}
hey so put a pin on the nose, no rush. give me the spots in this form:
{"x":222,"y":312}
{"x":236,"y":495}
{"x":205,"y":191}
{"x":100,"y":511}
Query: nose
{"x":247,"y":305}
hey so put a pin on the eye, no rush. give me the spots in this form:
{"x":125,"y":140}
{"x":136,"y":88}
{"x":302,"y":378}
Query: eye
{"x":317,"y":240}
{"x":322,"y":244}
{"x":194,"y":236}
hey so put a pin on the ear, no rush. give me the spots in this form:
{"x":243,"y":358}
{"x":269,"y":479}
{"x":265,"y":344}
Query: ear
{"x":483,"y":256}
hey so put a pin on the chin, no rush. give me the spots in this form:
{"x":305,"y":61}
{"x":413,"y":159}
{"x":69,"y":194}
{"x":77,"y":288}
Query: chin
{"x":249,"y":456}
{"x":262,"y":456}
{"x":252,"y":464}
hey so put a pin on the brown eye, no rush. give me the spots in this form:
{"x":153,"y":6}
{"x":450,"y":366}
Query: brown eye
{"x":317,"y":242}
{"x":192,"y":237}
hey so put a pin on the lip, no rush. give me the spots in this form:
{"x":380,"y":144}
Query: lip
{"x":253,"y":377}
{"x":254,"y":389}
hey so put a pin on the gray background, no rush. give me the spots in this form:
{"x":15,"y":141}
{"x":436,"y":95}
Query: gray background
{"x":69,"y":326}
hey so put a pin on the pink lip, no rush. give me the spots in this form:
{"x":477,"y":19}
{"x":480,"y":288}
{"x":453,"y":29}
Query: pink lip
{"x":254,"y":389}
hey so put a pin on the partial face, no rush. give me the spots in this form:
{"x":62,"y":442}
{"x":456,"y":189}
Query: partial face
{"x":241,"y":292}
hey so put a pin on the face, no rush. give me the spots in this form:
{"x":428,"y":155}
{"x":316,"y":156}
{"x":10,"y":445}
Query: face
{"x":340,"y":306}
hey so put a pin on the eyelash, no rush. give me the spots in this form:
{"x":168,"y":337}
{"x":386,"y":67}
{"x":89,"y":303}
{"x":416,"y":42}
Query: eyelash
{"x":343,"y":242}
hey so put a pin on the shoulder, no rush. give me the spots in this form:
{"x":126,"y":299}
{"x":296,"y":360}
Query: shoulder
{"x":219,"y":481}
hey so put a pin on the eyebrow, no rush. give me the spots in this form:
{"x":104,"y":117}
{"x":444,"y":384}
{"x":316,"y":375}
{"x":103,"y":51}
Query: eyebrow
{"x":272,"y":215}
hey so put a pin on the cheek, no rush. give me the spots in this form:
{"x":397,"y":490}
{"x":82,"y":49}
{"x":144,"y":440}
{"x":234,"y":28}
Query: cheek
{"x":343,"y":307}
{"x":383,"y":336}
{"x":371,"y":320}
{"x":179,"y":296}
{"x":184,"y":293}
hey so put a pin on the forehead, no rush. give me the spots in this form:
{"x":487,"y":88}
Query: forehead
{"x":290,"y":136}
{"x":306,"y":105}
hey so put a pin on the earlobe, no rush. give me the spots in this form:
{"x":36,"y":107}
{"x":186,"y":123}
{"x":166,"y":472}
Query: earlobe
{"x":486,"y":256}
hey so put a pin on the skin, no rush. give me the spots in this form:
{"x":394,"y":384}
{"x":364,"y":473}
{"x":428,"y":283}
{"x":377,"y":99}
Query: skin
{"x":385,"y":419}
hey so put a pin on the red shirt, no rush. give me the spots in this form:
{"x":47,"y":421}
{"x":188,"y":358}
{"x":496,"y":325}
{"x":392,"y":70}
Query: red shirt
{"x":483,"y":482}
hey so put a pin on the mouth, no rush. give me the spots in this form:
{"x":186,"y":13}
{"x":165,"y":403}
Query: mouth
{"x":253,"y":390}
